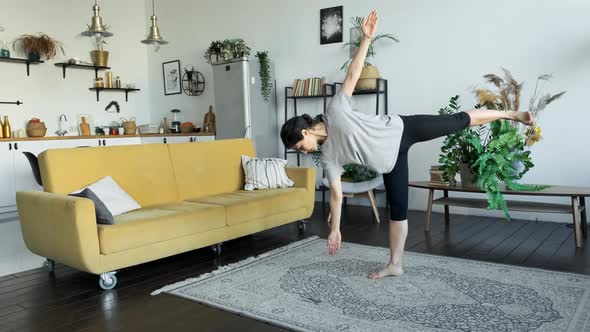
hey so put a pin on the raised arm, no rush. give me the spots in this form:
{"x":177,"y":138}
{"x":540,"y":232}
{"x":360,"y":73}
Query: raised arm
{"x":358,"y":61}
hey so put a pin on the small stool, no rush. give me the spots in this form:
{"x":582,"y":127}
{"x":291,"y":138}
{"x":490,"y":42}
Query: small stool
{"x":360,"y":189}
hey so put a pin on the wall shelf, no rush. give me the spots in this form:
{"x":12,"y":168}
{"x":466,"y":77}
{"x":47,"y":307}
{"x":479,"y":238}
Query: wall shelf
{"x":65,"y":65}
{"x":127,"y":90}
{"x":20,"y":60}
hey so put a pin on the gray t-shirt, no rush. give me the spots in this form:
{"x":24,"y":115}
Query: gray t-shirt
{"x":357,"y":138}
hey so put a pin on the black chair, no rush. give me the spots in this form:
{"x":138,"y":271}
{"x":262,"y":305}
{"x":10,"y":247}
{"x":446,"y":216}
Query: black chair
{"x":34,"y":162}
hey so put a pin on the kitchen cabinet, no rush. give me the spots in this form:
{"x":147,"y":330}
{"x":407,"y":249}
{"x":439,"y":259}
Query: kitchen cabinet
{"x":152,"y":140}
{"x":7,"y":189}
{"x":197,"y":139}
{"x":120,"y":141}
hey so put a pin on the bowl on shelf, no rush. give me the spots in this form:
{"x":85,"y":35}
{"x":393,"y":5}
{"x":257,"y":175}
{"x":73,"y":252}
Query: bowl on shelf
{"x":186,"y":129}
{"x":196,"y":129}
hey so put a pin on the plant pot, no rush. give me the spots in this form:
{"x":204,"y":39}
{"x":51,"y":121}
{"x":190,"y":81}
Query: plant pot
{"x":34,"y":56}
{"x":100,"y":58}
{"x":467,"y":175}
{"x":368,"y":78}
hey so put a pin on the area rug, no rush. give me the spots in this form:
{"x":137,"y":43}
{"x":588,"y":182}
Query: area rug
{"x":302,"y":287}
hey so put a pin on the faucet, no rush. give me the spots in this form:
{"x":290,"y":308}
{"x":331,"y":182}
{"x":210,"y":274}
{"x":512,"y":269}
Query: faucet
{"x":60,"y":131}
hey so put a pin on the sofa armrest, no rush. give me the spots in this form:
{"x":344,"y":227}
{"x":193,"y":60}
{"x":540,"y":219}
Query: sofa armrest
{"x":304,"y":177}
{"x":60,"y":227}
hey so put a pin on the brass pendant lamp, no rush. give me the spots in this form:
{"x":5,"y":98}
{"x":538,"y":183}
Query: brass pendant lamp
{"x":154,"y":37}
{"x":96,"y":27}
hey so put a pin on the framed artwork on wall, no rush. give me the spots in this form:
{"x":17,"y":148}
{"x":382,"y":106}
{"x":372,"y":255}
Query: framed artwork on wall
{"x":171,"y":74}
{"x":331,"y":25}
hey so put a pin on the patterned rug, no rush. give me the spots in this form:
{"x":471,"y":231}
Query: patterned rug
{"x":301,"y":287}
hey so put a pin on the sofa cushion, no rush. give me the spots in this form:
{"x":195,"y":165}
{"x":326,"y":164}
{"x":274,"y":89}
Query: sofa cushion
{"x":159,"y":223}
{"x":209,"y":168}
{"x":143,"y":170}
{"x":243,"y":206}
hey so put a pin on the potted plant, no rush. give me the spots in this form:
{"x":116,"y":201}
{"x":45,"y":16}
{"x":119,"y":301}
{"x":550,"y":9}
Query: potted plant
{"x":37,"y":46}
{"x":370,"y":73}
{"x":99,"y":56}
{"x":214,"y":52}
{"x":264,"y":72}
{"x":488,"y":155}
{"x":240,"y":49}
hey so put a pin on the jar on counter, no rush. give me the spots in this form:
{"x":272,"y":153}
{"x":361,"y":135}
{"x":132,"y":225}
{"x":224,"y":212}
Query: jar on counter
{"x":98,"y":82}
{"x":108,"y":79}
{"x":117,"y":82}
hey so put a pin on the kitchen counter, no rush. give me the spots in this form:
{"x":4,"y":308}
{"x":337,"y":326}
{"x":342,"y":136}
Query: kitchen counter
{"x":49,"y":138}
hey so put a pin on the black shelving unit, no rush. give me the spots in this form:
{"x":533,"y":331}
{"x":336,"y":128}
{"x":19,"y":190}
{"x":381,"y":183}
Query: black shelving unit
{"x":65,"y":65}
{"x":25,"y":61}
{"x":380,"y":90}
{"x":127,"y":90}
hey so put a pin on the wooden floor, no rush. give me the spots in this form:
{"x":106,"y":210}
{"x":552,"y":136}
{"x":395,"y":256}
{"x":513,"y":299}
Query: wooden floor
{"x":69,"y":300}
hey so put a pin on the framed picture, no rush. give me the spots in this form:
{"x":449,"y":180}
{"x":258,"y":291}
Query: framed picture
{"x":331,"y":25}
{"x":171,"y":72}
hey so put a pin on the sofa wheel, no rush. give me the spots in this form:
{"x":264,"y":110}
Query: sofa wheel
{"x":216,"y":249}
{"x":50,"y":265}
{"x":107,"y":280}
{"x":301,"y":225}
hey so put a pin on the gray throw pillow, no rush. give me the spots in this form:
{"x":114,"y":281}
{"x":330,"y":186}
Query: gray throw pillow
{"x":103,"y":215}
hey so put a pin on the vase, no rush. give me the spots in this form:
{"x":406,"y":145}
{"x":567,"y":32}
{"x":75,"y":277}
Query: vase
{"x":100,"y":58}
{"x":6,"y":129}
{"x":467,"y":175}
{"x":368,"y":78}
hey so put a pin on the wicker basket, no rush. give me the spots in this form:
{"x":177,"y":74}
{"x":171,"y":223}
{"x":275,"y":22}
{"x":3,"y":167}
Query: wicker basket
{"x":36,"y":129}
{"x":368,"y":79}
{"x":129,"y":128}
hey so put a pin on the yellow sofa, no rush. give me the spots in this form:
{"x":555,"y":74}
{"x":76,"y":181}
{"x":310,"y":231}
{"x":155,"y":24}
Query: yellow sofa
{"x":191,"y":196}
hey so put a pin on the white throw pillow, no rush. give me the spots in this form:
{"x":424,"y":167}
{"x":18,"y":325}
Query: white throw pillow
{"x":265,"y":173}
{"x":112,"y":195}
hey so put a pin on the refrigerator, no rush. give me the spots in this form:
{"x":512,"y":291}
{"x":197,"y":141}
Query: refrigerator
{"x":241,"y":111}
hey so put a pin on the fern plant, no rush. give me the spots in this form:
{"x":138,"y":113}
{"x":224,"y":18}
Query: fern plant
{"x":491,"y":158}
{"x":457,"y":149}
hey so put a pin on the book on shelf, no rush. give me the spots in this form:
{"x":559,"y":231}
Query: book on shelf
{"x":313,"y":86}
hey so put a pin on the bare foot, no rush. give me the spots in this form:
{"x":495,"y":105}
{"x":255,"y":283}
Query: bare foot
{"x":524,"y":117}
{"x":389,"y":270}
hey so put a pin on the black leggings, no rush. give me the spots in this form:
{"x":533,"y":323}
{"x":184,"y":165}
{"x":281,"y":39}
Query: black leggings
{"x":417,"y":128}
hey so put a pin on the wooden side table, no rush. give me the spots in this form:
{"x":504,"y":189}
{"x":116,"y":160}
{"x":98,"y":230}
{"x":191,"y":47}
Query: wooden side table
{"x":577,"y":208}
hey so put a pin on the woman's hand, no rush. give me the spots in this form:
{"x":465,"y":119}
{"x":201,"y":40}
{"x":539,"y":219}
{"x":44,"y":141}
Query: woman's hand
{"x":370,"y":24}
{"x":334,"y":240}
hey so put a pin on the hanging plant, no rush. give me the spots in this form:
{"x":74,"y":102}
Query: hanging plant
{"x":264,"y":72}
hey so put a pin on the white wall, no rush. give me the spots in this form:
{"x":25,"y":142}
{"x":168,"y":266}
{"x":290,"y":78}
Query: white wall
{"x":45,"y":93}
{"x":446,"y":46}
